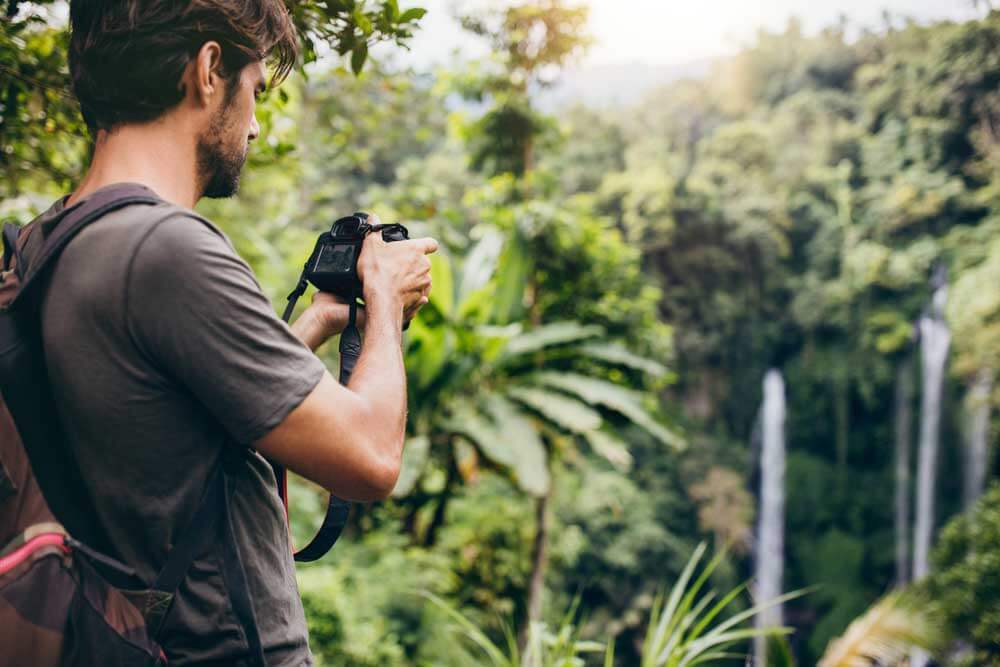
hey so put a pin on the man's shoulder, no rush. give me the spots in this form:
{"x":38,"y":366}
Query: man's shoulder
{"x":164,"y":223}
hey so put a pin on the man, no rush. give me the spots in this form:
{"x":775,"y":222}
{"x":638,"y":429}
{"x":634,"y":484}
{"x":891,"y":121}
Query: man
{"x":164,"y":354}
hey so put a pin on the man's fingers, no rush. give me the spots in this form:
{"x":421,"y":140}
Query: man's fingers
{"x":426,"y":245}
{"x":412,"y":310}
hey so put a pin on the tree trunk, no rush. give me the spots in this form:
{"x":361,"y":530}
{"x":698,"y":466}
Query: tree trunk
{"x":842,"y":416}
{"x":430,"y":537}
{"x":903,"y":436}
{"x":539,"y":561}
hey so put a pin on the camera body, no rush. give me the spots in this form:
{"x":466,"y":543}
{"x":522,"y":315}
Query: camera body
{"x":333,"y":265}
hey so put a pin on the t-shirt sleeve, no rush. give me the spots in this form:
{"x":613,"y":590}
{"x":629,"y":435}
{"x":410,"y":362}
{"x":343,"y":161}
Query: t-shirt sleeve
{"x":196,"y":311}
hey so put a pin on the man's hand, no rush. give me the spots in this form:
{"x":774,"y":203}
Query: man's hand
{"x":398,"y":273}
{"x":398,"y":279}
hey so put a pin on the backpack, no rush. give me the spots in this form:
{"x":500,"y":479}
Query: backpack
{"x":64,"y":597}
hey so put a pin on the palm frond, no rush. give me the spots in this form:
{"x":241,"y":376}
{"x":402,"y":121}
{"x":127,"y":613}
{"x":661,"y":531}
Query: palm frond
{"x":885,"y":634}
{"x":563,"y":411}
{"x":530,"y":458}
{"x":624,"y":401}
{"x":548,"y":335}
{"x":618,"y":355}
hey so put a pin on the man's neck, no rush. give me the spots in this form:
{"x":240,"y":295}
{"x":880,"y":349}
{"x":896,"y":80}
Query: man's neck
{"x":153,"y":154}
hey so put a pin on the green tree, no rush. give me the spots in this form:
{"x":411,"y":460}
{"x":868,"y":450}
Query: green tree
{"x":531,"y":41}
{"x":965,"y":580}
{"x":41,"y":131}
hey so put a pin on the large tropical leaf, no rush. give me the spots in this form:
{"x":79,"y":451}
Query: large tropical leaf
{"x":886,"y":633}
{"x":619,"y":355}
{"x":414,"y":458}
{"x":626,"y":402}
{"x":610,"y":447}
{"x":557,"y":333}
{"x":479,"y":264}
{"x":563,"y":411}
{"x":442,"y":295}
{"x":512,"y":270}
{"x":480,"y":430}
{"x":530,"y":464}
{"x":428,"y":349}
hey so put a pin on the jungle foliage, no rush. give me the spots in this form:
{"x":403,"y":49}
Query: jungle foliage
{"x":612,"y":286}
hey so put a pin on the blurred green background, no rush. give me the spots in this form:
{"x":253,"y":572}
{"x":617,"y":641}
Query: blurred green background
{"x":587,"y":400}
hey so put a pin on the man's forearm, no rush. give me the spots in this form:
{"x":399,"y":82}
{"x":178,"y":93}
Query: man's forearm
{"x":310,"y":330}
{"x":380,"y":376}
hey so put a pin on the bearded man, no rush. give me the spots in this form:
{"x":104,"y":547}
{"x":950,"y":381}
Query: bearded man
{"x":163,"y":352}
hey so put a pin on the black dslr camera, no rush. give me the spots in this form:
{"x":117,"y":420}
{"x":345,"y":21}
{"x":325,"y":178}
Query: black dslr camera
{"x":333,"y":265}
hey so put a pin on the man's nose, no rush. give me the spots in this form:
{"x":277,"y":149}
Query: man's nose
{"x":254,"y":128}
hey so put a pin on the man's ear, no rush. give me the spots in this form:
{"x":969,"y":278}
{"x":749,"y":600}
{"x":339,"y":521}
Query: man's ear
{"x":204,"y":74}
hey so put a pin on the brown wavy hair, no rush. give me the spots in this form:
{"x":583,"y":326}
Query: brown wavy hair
{"x":126,"y":57}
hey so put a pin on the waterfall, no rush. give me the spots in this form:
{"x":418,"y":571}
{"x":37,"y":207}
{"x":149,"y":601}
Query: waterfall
{"x":771,"y":527}
{"x":934,"y":341}
{"x":977,"y":437}
{"x":903,"y":435}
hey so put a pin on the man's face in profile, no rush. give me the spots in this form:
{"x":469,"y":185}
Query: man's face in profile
{"x":222,"y":147}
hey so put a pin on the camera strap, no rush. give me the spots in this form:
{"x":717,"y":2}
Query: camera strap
{"x":337,"y":510}
{"x":350,"y":342}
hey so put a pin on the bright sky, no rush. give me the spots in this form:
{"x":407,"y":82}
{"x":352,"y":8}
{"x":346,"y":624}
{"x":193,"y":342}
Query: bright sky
{"x":680,"y":31}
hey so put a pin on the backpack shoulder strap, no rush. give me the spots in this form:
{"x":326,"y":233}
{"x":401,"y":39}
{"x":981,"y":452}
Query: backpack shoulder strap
{"x":9,"y":243}
{"x":67,"y":226}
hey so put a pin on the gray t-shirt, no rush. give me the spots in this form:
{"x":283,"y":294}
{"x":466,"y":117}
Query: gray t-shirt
{"x":161,"y":348}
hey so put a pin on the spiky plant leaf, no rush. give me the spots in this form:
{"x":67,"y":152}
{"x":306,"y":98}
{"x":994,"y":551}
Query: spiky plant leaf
{"x":779,"y":653}
{"x":414,"y":459}
{"x":657,"y":640}
{"x":543,"y":647}
{"x":563,"y":411}
{"x":624,"y":401}
{"x":474,"y":634}
{"x":886,"y":633}
{"x":680,"y":631}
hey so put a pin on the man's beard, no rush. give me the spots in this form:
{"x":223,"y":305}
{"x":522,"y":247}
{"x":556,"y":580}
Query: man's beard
{"x":219,"y":165}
